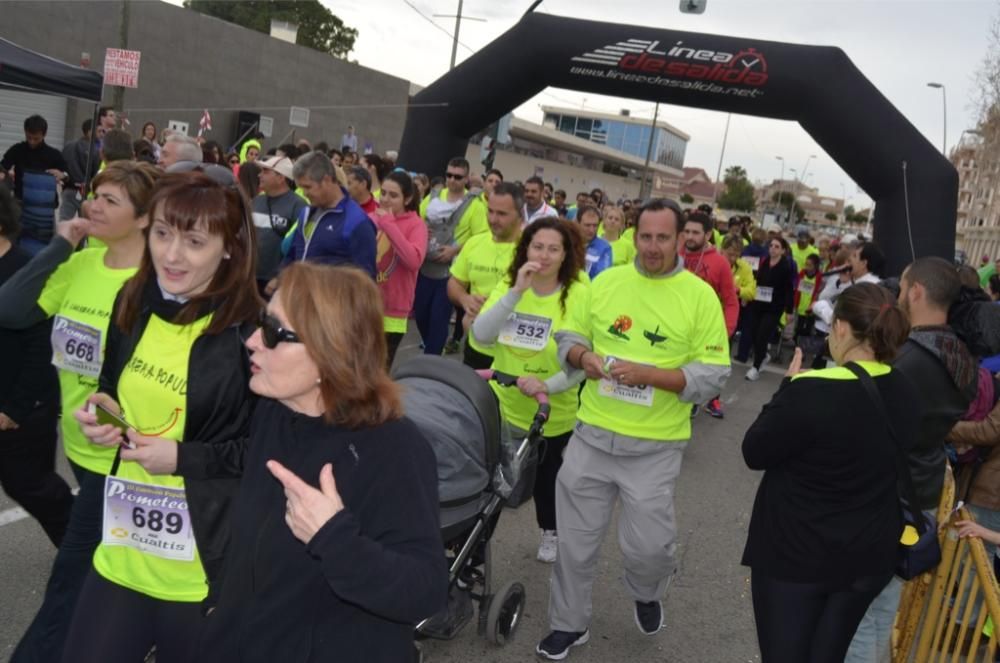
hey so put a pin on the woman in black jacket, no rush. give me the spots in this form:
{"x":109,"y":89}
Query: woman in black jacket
{"x":826,"y":521}
{"x":773,"y":297}
{"x":336,"y":552}
{"x":176,"y":371}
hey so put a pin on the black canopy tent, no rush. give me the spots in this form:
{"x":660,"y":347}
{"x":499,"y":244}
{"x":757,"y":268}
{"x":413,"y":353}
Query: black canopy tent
{"x":913,"y":185}
{"x":28,"y":71}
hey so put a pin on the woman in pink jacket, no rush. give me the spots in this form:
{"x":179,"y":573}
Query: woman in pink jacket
{"x":401,"y":243}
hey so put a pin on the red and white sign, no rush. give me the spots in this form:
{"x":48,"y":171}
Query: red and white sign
{"x":121,"y":67}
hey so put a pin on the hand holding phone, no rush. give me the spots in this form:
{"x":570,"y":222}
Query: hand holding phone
{"x":107,"y":417}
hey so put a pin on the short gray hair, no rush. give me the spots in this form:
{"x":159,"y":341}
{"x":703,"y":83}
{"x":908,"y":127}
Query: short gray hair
{"x":188,"y":148}
{"x":315,"y":166}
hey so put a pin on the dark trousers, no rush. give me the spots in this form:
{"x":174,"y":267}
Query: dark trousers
{"x":763,"y":323}
{"x":43,"y":641}
{"x":28,"y":471}
{"x":474,"y":358}
{"x":458,"y":331}
{"x":113,"y":623}
{"x":545,"y":480}
{"x":392,"y":341}
{"x":812,"y":622}
{"x":432,"y":312}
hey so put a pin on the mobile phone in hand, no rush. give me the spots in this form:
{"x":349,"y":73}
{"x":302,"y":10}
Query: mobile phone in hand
{"x":106,"y":416}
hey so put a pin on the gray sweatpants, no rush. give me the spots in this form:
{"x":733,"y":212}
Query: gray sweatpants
{"x":641,"y":475}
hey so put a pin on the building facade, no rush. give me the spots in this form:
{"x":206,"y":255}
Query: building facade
{"x":977,"y":226}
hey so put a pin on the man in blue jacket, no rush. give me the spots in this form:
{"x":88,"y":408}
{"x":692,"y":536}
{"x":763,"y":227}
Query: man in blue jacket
{"x":333,"y":230}
{"x":598,"y":249}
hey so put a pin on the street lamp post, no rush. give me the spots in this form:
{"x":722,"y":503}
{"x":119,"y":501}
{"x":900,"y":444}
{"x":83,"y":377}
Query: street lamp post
{"x":944,"y":115}
{"x":781,"y":183}
{"x":788,"y":217}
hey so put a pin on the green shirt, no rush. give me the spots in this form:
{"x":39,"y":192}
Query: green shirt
{"x":481,"y":263}
{"x":152,"y":391}
{"x":666,"y":322}
{"x":800,"y":255}
{"x":527,"y":346}
{"x":80,"y":295}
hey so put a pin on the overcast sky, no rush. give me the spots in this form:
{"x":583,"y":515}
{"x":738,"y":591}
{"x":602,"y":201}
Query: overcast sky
{"x":899,"y":45}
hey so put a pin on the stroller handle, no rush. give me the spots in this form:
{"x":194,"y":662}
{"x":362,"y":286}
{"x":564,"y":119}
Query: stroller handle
{"x":507,"y":380}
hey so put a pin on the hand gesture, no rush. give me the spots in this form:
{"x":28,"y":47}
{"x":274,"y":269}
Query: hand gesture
{"x":593,"y":365}
{"x":530,"y":385}
{"x":795,"y":367}
{"x":308,"y":509}
{"x":524,"y":276}
{"x":967,"y":528}
{"x":446,"y":253}
{"x":6,"y":423}
{"x":105,"y":435}
{"x":74,"y":230}
{"x":628,"y":373}
{"x":157,"y":455}
{"x":472,"y":304}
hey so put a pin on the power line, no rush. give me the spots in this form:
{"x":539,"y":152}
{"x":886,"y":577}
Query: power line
{"x":434,"y":23}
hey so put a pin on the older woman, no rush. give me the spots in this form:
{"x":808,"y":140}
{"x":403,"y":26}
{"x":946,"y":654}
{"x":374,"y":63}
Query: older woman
{"x":826,"y":522}
{"x":335,"y":550}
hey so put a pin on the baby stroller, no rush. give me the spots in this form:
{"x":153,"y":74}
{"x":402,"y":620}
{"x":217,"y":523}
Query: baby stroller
{"x":458,"y":414}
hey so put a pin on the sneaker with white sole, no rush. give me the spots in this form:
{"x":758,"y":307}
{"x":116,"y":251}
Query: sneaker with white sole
{"x":753,"y":374}
{"x":556,"y":645}
{"x":649,"y":617}
{"x":548,"y":547}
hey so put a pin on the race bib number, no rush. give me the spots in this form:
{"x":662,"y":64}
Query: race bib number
{"x":639,"y":394}
{"x":806,"y":287}
{"x":76,"y":347}
{"x":764,"y":294}
{"x":151,"y":519}
{"x":529,"y":332}
{"x":753,"y":261}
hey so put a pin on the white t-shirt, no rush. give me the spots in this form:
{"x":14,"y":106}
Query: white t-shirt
{"x":540,"y":213}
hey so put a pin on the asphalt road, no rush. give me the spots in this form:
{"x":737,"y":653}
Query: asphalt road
{"x":708,"y":612}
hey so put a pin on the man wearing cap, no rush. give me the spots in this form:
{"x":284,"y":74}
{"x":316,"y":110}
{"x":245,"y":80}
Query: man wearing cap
{"x":274,"y":212}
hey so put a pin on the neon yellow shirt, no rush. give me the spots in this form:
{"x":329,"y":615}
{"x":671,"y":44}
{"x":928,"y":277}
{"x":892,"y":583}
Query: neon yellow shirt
{"x":512,"y":354}
{"x":800,"y":255}
{"x":807,"y":290}
{"x":622,"y":250}
{"x":394,"y":325}
{"x":473,"y":221}
{"x":79,"y":295}
{"x":665,"y":322}
{"x":481,"y":263}
{"x":152,"y":391}
{"x":746,"y":284}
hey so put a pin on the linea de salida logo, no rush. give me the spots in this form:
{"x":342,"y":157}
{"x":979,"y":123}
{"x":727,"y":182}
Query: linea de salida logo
{"x":747,"y":67}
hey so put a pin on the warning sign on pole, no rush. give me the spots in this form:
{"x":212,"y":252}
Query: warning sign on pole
{"x":121,"y":67}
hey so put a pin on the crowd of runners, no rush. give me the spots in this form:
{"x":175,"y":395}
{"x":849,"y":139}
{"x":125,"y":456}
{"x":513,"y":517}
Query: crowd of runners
{"x":210,"y":335}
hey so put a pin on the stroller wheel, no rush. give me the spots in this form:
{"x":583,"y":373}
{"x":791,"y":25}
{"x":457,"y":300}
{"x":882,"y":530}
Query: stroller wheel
{"x":504,"y":616}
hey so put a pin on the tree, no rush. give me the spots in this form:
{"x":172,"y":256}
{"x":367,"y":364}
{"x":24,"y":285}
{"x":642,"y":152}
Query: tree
{"x":739,"y":193}
{"x":787,"y":200}
{"x":319,"y":28}
{"x":687,"y":198}
{"x":830,"y":216}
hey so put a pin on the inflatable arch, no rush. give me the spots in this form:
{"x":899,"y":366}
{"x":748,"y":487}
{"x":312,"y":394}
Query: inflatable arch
{"x":914,"y":187}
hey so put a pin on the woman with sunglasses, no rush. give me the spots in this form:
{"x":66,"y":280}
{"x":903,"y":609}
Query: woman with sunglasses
{"x":176,"y":376}
{"x":772,"y":298}
{"x":335,"y":550}
{"x":520,"y":320}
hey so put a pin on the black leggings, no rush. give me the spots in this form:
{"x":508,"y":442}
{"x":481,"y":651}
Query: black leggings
{"x":112,"y":623}
{"x":812,"y":622}
{"x":762,"y":326}
{"x":392,"y":341}
{"x":545,"y":480}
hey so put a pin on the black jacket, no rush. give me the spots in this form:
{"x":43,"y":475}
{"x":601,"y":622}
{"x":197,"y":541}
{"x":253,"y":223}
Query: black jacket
{"x":219,"y":406}
{"x":780,"y":278}
{"x":827,"y":508}
{"x":354,"y":593}
{"x":944,"y":376}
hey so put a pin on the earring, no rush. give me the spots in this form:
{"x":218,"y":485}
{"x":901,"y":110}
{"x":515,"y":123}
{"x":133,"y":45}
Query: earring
{"x":319,"y":380}
{"x":226,"y":256}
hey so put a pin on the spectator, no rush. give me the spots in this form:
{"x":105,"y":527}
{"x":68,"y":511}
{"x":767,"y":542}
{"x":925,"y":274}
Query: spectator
{"x":149,"y":135}
{"x":211,"y":152}
{"x":77,"y":163}
{"x":249,"y":180}
{"x":116,"y":146}
{"x":178,"y":148}
{"x":359,"y":186}
{"x":275,"y":211}
{"x":349,"y":141}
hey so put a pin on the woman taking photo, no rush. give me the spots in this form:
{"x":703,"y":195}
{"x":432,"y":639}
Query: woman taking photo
{"x":622,"y":241}
{"x":520,"y":320}
{"x":401,"y":242}
{"x":771,"y":299}
{"x":826,"y":522}
{"x":336,"y":521}
{"x":77,"y":290}
{"x":177,"y":373}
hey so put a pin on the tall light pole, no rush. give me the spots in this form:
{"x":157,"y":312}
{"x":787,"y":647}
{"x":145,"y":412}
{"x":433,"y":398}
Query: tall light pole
{"x":722,"y":154}
{"x":458,"y":26}
{"x":791,"y":205}
{"x":944,"y":114}
{"x":645,"y":188}
{"x":781,"y":183}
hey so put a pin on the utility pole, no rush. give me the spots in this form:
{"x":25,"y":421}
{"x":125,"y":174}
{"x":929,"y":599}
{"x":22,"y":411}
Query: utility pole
{"x":458,"y":26}
{"x":119,"y":98}
{"x":644,"y":189}
{"x":722,"y":154}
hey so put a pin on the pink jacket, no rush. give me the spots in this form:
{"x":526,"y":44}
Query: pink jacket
{"x":400,"y":245}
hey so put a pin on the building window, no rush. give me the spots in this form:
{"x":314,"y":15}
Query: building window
{"x":567,"y":124}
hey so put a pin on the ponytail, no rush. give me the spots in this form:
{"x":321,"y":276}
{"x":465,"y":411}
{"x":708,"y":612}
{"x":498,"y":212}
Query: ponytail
{"x":874,"y":318}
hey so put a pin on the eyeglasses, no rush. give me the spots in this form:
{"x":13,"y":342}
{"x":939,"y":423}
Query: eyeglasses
{"x":272,"y":333}
{"x":234,"y":162}
{"x":455,"y":176}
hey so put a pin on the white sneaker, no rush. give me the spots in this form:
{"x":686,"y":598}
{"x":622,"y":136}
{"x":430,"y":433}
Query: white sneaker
{"x":753,"y":374}
{"x":547,"y":548}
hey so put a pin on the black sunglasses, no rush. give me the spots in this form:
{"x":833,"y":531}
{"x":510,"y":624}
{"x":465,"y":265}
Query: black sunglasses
{"x":455,"y":176}
{"x":272,"y":333}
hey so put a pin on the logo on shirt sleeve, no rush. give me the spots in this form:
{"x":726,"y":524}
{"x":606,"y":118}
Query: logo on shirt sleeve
{"x":621,"y":325}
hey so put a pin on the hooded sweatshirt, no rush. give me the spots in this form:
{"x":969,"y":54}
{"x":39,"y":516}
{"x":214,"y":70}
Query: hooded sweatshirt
{"x":400,"y":246}
{"x":713,"y":268}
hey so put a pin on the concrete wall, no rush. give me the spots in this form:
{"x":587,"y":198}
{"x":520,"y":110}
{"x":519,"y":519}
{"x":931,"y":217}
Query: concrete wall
{"x":191,"y":62}
{"x":569,"y":178}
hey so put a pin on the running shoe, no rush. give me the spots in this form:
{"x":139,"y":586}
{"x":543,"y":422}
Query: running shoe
{"x":548,"y":547}
{"x":714,"y":408}
{"x":753,"y":374}
{"x":556,"y":645}
{"x":649,"y":617}
{"x":451,"y":347}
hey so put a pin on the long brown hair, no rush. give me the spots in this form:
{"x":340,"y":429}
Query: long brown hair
{"x":337,"y":312}
{"x":185,"y":200}
{"x":573,"y":248}
{"x":874,"y":317}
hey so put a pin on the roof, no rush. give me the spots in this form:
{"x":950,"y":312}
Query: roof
{"x":690,"y":173}
{"x":628,"y":119}
{"x":28,"y":71}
